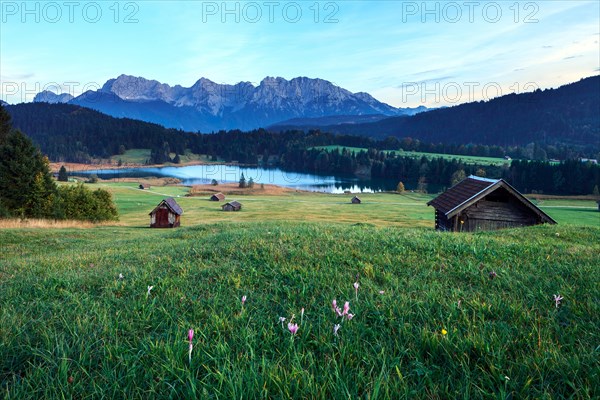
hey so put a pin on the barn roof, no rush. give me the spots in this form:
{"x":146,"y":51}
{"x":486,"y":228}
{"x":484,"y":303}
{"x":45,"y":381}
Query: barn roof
{"x":234,"y":203}
{"x":219,"y":196}
{"x":171,"y":204}
{"x":474,"y":188}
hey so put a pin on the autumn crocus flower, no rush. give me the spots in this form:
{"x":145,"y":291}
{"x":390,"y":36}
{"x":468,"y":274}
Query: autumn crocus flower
{"x":243,"y":302}
{"x":282,"y":320}
{"x":336,"y":309}
{"x":293,"y":328}
{"x":356,"y":285}
{"x":336,"y":328}
{"x":346,"y":308}
{"x":493,"y":274}
{"x":121,"y":276}
{"x":149,"y":289}
{"x":190,"y":338}
{"x":557,"y":299}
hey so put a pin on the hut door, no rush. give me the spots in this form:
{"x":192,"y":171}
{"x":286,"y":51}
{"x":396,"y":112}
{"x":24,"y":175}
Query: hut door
{"x":162,"y":217}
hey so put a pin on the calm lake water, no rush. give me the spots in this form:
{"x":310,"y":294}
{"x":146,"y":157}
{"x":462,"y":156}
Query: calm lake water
{"x":202,"y":174}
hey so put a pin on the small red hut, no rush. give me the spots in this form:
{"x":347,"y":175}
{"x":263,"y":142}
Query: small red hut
{"x":166,"y":214}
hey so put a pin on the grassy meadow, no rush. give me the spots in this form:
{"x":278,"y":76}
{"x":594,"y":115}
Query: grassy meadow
{"x":141,"y":156}
{"x":417,"y":154}
{"x":436,"y":315}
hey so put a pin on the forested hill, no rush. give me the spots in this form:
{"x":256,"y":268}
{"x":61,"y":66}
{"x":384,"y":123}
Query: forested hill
{"x":567,"y":115}
{"x":75,"y":133}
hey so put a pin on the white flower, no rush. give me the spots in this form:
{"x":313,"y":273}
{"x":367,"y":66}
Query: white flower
{"x":121,"y":276}
{"x":149,"y":289}
{"x":557,"y":299}
{"x":336,"y":328}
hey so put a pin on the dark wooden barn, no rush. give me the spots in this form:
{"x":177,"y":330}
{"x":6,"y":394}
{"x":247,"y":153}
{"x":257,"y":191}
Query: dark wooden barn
{"x":484,"y":204}
{"x":355,"y":200}
{"x":166,"y":214}
{"x":232,"y":206}
{"x":217,"y":197}
{"x":144,"y":186}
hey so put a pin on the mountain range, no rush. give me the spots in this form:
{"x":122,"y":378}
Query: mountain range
{"x":208,"y":106}
{"x":568,"y":115}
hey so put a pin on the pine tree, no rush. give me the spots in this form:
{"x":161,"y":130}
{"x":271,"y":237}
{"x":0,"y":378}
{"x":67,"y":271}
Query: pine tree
{"x":26,"y":185}
{"x":4,"y":124}
{"x":400,"y":187}
{"x":63,"y":176}
{"x":242,"y":181}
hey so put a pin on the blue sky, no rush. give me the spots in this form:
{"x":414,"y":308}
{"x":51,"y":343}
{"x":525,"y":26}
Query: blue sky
{"x":402,"y":52}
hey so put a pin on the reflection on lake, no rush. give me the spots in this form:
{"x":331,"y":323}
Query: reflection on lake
{"x":204,"y":174}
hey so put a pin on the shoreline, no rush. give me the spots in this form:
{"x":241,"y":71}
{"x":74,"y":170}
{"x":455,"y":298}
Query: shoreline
{"x":71,"y":167}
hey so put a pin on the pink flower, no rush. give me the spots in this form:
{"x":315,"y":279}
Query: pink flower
{"x":356,"y":285}
{"x":243,"y":300}
{"x":336,"y":309}
{"x":346,"y":308}
{"x":190,"y":338}
{"x":557,"y":299}
{"x":293,"y":328}
{"x":381,"y":291}
{"x":350,"y":316}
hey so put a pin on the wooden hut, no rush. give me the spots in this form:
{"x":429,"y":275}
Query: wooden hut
{"x":217,"y":197}
{"x":166,"y":214}
{"x":232,"y":206}
{"x":144,"y":186}
{"x":355,"y":200}
{"x":484,"y":204}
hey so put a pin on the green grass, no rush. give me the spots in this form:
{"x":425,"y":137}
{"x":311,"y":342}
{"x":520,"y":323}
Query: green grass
{"x":416,"y":154}
{"x":140,"y":156}
{"x":70,"y":328}
{"x":133,"y":156}
{"x":377,"y":209}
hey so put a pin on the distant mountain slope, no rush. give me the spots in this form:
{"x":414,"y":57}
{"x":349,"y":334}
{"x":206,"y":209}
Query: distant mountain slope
{"x":50,"y":97}
{"x":208,"y":106}
{"x":569,"y":114}
{"x":65,"y":131}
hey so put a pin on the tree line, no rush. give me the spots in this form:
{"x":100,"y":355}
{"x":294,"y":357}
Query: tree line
{"x":27,"y":189}
{"x":71,"y":133}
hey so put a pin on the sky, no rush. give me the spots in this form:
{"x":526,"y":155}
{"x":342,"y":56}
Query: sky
{"x":404,"y":53}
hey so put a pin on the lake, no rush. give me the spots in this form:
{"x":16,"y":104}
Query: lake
{"x":203,"y":174}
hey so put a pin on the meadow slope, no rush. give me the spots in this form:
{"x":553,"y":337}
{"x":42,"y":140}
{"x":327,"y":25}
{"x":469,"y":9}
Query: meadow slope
{"x":430,"y":320}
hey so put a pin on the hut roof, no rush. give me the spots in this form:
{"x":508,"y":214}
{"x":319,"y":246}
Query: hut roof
{"x":171,"y":204}
{"x":219,"y":196}
{"x":474,"y":188}
{"x":356,"y":198}
{"x":234,"y":203}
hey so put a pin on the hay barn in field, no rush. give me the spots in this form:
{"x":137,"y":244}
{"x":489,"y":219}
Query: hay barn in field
{"x":144,"y":186}
{"x":355,"y":200}
{"x":232,"y":206}
{"x":476,"y":204}
{"x":167,"y":214}
{"x":217,"y":197}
